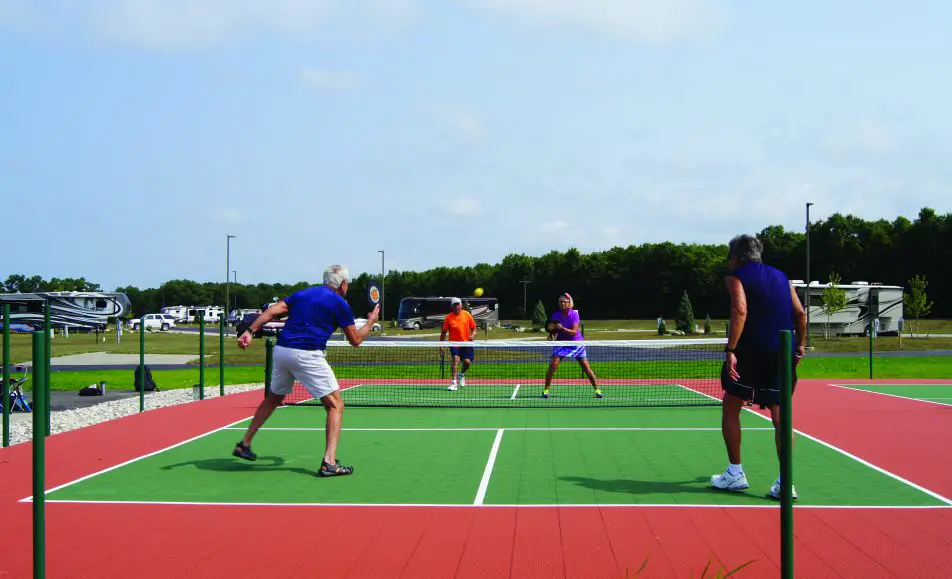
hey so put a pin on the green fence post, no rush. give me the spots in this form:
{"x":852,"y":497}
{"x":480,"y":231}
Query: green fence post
{"x":48,"y":329}
{"x":201,"y":354}
{"x":6,"y":375}
{"x":872,"y":336}
{"x":40,"y":357}
{"x":786,"y":456}
{"x":268,"y":359}
{"x":221,"y":355}
{"x":142,"y":363}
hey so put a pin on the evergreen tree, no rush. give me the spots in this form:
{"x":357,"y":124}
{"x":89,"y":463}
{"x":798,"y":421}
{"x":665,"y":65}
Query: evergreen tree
{"x":707,"y":324}
{"x":539,"y":316}
{"x":685,"y":318}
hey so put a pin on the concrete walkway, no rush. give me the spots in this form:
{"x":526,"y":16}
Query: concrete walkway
{"x":103,"y":359}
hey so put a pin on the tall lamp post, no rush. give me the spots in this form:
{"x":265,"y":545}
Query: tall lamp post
{"x":807,"y":305}
{"x":228,"y":239}
{"x":525,"y":284}
{"x":235,"y":273}
{"x":383,"y":276}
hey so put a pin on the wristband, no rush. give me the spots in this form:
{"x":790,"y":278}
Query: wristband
{"x":728,"y":350}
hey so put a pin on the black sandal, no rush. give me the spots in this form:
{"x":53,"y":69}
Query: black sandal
{"x":242,"y":451}
{"x":337,"y":469}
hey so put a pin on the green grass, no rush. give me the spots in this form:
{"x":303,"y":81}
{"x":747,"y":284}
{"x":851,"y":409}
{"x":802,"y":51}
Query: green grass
{"x":164,"y":379}
{"x":883,"y":367}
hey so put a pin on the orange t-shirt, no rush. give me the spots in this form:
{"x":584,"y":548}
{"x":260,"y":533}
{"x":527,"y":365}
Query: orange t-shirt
{"x":460,"y":326}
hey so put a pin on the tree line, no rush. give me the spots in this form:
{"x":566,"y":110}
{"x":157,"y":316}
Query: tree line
{"x":634,"y":282}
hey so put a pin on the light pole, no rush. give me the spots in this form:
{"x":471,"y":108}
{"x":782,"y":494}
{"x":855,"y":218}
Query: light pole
{"x":525,"y":284}
{"x":383,"y":276}
{"x":807,"y":305}
{"x":228,"y":239}
{"x":235,"y":273}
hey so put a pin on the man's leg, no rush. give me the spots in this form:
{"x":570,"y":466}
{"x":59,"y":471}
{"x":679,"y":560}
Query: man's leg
{"x":334,"y":405}
{"x":775,"y":417}
{"x":265,"y":408}
{"x":730,"y":426}
{"x":453,"y":367}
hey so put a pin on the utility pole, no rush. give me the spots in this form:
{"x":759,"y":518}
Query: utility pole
{"x":525,"y":284}
{"x":807,"y":305}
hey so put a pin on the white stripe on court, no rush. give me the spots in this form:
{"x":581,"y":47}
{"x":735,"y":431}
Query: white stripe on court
{"x":487,"y":473}
{"x":515,"y":392}
{"x":772,"y":505}
{"x":926,"y":400}
{"x":524,"y":428}
{"x":136,"y":459}
{"x":878,"y":469}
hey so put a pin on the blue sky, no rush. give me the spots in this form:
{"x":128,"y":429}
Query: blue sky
{"x":138,"y":133}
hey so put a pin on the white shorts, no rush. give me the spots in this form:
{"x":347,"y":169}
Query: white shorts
{"x":309,"y":367}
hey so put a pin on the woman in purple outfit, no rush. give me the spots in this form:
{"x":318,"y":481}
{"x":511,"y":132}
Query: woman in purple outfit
{"x":567,"y":328}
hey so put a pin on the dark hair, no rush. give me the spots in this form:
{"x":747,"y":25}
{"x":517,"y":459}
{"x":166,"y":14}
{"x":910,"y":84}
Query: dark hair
{"x":746,"y":248}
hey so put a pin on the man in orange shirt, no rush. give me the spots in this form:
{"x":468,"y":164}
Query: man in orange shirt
{"x":462,"y":328}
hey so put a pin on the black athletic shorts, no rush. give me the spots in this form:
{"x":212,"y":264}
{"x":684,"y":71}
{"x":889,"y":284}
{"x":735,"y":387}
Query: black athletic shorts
{"x":759,"y":381}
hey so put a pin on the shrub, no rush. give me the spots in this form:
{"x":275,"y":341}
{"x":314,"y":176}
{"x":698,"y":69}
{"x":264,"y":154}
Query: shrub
{"x":539,"y":316}
{"x":685,"y":318}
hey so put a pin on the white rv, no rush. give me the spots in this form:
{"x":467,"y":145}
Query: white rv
{"x":212,"y":314}
{"x":88,"y":310}
{"x":865,"y":303}
{"x":417,"y":313}
{"x":177,"y":312}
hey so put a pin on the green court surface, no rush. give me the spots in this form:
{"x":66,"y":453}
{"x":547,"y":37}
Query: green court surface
{"x":938,"y":393}
{"x":493,"y":457}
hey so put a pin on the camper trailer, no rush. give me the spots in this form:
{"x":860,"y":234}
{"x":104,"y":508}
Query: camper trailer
{"x":177,"y":312}
{"x":865,"y":304}
{"x":418,"y":313}
{"x":212,"y":314}
{"x":74,"y":310}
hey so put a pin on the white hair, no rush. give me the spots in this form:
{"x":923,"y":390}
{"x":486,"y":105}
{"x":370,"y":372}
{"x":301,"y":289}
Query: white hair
{"x":336,"y":275}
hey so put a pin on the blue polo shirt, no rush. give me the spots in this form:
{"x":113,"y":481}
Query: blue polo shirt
{"x":313,"y":315}
{"x":769,"y":307}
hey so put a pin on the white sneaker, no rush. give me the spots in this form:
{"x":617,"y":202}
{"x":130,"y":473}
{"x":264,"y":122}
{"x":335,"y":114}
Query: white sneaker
{"x":462,"y":380}
{"x":729,"y":482}
{"x":775,"y":491}
{"x":452,"y":387}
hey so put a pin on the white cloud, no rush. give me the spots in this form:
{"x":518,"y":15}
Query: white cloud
{"x":187,"y":25}
{"x":462,"y":207}
{"x":455,"y":120}
{"x":862,"y":138}
{"x":632,"y":20}
{"x":329,"y":80}
{"x":229,"y":216}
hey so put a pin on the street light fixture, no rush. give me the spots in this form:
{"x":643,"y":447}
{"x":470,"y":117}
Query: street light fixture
{"x":807,"y":305}
{"x":383,"y":276}
{"x":525,"y":284}
{"x":228,"y":239}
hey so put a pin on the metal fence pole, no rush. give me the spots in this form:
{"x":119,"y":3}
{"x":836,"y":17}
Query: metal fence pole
{"x":40,"y":356}
{"x":48,"y":329}
{"x":786,"y":456}
{"x":201,"y":354}
{"x":221,"y":354}
{"x":6,"y":375}
{"x":142,"y":363}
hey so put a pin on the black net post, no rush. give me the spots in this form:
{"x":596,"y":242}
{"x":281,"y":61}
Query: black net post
{"x":786,"y":455}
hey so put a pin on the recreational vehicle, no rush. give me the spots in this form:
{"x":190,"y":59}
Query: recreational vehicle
{"x":75,"y":310}
{"x":865,"y":304}
{"x":178,"y":312}
{"x":418,"y":313}
{"x":212,"y":314}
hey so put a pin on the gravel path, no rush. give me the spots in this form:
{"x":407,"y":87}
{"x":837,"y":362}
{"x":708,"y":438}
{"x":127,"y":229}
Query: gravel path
{"x":21,"y":427}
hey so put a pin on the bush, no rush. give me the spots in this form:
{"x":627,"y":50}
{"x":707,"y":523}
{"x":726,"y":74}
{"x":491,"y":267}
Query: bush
{"x":707,"y":324}
{"x":539,"y":317}
{"x":685,"y":318}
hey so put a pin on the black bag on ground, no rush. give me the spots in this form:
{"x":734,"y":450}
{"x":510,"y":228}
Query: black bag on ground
{"x":149,"y":382}
{"x":91,"y":390}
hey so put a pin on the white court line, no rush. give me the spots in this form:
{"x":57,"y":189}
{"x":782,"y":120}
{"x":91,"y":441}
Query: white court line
{"x":771,"y":505}
{"x":529,"y":428}
{"x":515,"y":392}
{"x":878,"y":469}
{"x":136,"y":459}
{"x":928,"y":401}
{"x":487,"y":473}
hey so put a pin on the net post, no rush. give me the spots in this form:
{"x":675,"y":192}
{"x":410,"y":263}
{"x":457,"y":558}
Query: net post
{"x":786,"y":456}
{"x":48,"y":332}
{"x":142,"y":363}
{"x":6,"y":375}
{"x":221,"y":355}
{"x":268,"y":358}
{"x":40,"y":425}
{"x":201,"y":354}
{"x":872,"y":336}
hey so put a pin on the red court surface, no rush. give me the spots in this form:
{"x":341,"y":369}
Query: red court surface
{"x":152,"y":540}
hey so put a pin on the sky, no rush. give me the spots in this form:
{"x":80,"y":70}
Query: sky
{"x":138,"y":134}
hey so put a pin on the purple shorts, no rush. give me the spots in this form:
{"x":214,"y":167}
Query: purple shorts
{"x":570,"y":352}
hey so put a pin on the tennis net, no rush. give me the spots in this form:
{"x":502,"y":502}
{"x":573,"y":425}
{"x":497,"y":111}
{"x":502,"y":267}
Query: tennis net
{"x":512,"y":374}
